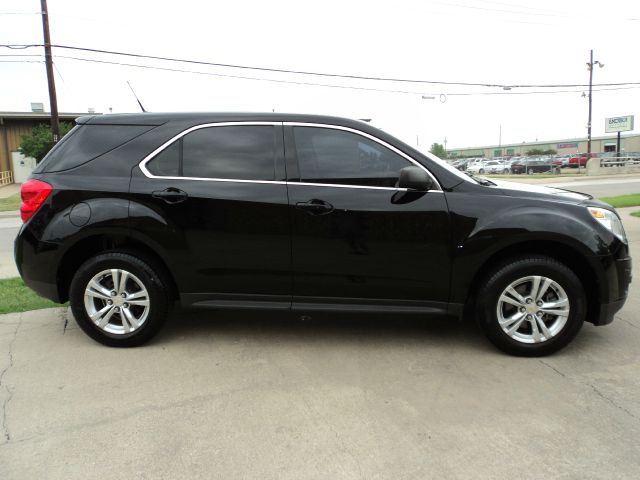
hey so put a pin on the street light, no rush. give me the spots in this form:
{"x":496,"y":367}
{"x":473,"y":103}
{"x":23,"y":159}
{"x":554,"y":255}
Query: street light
{"x":590,"y":65}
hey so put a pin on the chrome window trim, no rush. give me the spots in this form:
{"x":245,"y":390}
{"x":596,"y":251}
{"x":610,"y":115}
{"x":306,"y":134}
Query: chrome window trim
{"x":155,"y":152}
{"x":148,"y":158}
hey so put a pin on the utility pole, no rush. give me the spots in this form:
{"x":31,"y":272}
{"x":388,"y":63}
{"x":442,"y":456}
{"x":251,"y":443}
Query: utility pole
{"x":590,"y":66}
{"x":55,"y":122}
{"x":589,"y":122}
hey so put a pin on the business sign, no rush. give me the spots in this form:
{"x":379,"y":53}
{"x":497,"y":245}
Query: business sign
{"x":567,"y":145}
{"x":618,"y":124}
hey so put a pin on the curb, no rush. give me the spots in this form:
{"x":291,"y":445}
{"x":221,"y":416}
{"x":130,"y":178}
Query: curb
{"x":10,"y":214}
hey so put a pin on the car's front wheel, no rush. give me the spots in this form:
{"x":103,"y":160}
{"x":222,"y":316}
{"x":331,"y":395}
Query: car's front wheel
{"x":531,"y":306}
{"x":118,"y":299}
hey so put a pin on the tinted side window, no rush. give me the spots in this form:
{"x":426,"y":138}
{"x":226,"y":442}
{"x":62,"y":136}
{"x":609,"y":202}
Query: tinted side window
{"x":339,"y":157}
{"x":87,"y":142}
{"x":235,"y":152}
{"x":167,"y":162}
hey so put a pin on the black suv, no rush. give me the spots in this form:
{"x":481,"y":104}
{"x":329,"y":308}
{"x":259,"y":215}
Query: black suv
{"x":303,"y":213}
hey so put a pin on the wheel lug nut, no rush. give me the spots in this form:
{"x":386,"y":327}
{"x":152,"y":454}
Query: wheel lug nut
{"x":109,"y":302}
{"x":113,"y":293}
{"x":539,"y":303}
{"x":522,"y":309}
{"x":117,"y":309}
{"x":123,"y":295}
{"x":529,"y":300}
{"x":126,"y":305}
{"x":528,"y":317}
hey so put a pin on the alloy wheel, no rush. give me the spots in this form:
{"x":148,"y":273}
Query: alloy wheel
{"x":533,"y":309}
{"x":116,"y":301}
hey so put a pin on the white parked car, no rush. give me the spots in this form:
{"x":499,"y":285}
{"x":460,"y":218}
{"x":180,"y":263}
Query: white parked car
{"x":475,"y":167}
{"x":488,"y":166}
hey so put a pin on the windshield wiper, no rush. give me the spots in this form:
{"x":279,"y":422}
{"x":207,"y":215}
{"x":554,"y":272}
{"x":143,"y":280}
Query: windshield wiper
{"x":481,"y":180}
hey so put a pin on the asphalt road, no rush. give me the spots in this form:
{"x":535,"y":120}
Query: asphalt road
{"x":9,"y":227}
{"x":343,"y":397}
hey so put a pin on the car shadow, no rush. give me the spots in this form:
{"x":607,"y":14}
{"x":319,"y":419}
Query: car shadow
{"x":344,"y":328}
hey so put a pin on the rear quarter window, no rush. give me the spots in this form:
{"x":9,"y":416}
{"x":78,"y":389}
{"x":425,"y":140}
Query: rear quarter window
{"x":87,"y":142}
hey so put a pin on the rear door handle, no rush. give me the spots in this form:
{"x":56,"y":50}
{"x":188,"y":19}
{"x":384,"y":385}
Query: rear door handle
{"x":315,"y":207}
{"x":170,"y":195}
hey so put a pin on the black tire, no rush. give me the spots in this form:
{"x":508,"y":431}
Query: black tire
{"x":481,"y":171}
{"x":504,"y":274}
{"x":529,"y":171}
{"x":145,"y":272}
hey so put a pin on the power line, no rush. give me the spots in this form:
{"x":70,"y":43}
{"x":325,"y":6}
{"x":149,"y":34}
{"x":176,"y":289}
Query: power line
{"x":318,"y":74}
{"x":499,"y":10}
{"x":293,"y":82}
{"x":243,"y":77}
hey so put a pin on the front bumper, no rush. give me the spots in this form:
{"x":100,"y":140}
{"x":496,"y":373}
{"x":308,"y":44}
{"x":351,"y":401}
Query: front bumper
{"x":622,"y":278}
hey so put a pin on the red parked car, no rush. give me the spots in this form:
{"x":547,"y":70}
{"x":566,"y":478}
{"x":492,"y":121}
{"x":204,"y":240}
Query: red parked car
{"x":580,"y":160}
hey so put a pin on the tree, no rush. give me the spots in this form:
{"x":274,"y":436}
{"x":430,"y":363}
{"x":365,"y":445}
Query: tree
{"x":438,"y":150}
{"x":38,"y":143}
{"x":539,"y":151}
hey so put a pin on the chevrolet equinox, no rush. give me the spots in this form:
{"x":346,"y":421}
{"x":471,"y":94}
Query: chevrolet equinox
{"x":304,"y":213}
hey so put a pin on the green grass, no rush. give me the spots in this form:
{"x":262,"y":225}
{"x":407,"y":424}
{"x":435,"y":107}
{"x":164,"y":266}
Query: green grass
{"x":10,"y":203}
{"x":636,"y":214}
{"x":620,"y":201}
{"x":15,"y":296}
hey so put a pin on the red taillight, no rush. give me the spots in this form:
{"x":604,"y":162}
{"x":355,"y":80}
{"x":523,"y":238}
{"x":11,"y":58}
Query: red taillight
{"x":33,"y":193}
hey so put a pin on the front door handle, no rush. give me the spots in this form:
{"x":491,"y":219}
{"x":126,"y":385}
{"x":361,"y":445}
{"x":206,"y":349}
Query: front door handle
{"x":315,"y":207}
{"x":170,"y":195}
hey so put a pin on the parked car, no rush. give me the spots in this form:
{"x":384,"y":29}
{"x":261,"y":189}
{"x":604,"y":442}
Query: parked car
{"x":531,"y":166}
{"x":561,"y":161}
{"x":499,"y":167}
{"x":131,"y":213}
{"x":460,"y":164}
{"x":580,"y":160}
{"x":478,"y":167}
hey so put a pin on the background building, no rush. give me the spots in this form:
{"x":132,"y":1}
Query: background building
{"x":628,"y":143}
{"x":13,"y":126}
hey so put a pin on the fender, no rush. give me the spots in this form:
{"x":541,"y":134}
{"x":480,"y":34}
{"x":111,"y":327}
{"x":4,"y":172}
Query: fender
{"x":476,"y":242}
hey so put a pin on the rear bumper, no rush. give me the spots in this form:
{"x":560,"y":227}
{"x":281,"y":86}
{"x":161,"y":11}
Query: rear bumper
{"x":36,"y":264}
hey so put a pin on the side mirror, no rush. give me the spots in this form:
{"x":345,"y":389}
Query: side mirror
{"x":414,"y":178}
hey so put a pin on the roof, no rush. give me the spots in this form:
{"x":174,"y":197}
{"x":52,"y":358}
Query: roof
{"x":39,"y":115}
{"x":150,"y":118}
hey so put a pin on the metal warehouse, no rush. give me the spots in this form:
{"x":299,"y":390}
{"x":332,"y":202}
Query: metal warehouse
{"x":629,"y":143}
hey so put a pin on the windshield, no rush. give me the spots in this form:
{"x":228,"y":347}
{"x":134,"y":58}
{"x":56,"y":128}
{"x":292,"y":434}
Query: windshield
{"x":455,"y":171}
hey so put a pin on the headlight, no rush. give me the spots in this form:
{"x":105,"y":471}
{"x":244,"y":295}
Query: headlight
{"x":609,"y":220}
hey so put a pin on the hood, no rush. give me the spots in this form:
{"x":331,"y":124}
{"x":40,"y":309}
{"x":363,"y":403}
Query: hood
{"x":528,"y":190}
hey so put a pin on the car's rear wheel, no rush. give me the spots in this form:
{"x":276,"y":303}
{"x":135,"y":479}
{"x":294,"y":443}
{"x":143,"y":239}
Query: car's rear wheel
{"x":481,"y":170}
{"x":531,"y":306}
{"x":119,"y":299}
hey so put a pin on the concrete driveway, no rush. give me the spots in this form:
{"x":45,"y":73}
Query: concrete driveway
{"x":341,"y":397}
